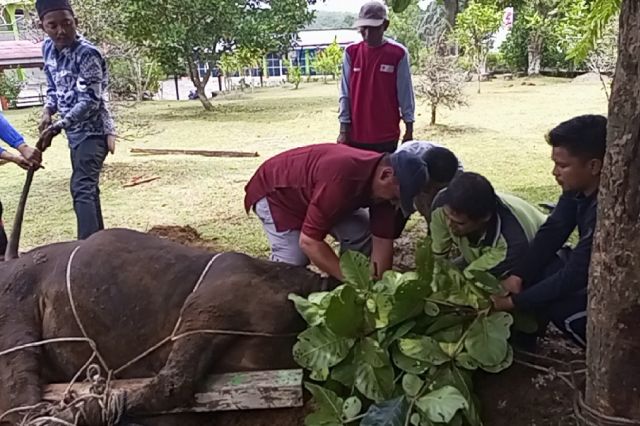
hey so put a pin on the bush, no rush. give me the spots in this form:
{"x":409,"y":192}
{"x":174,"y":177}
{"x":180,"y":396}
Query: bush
{"x":495,"y":61}
{"x":10,"y":87}
{"x":514,"y":49}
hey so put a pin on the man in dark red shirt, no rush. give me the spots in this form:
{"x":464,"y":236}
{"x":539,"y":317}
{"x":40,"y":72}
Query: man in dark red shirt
{"x":376,"y":89}
{"x":307,"y":193}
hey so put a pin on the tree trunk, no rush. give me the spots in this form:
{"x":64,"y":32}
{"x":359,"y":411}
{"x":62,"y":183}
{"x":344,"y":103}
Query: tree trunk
{"x":451,"y":8}
{"x":434,"y":108}
{"x":535,"y":55}
{"x":613,"y":355}
{"x":200,"y":83}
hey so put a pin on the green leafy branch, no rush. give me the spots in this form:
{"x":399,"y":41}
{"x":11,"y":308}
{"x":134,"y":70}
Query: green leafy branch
{"x":401,"y":350}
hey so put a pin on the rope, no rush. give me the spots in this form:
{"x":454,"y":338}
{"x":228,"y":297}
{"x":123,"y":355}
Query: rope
{"x":585,"y":414}
{"x":75,"y":312}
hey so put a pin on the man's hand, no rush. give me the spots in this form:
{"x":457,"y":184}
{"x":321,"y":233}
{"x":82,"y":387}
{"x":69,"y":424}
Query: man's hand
{"x":512,"y":284}
{"x":408,"y":134}
{"x":111,"y":143}
{"x":47,"y":136}
{"x":31,"y":155}
{"x":45,"y":121}
{"x":343,"y":137}
{"x":16,"y":159}
{"x":321,"y":255}
{"x":502,"y":303}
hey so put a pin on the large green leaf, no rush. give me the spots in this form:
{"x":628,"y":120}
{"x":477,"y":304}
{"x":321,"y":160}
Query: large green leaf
{"x":345,"y":372}
{"x":318,"y":348}
{"x":487,"y":282}
{"x":486,"y":339}
{"x":375,"y":383}
{"x":387,"y":413}
{"x":351,"y":408}
{"x":384,"y":305}
{"x":370,"y":352}
{"x":410,"y":365}
{"x":503,"y":365}
{"x":344,"y":315}
{"x":398,"y":332}
{"x":328,"y":407}
{"x":445,"y":322}
{"x":412,"y":384}
{"x":425,"y":261}
{"x":441,"y":405}
{"x":355,"y":268}
{"x":460,"y":379}
{"x":313,"y":314}
{"x":409,"y":300}
{"x":423,"y":348}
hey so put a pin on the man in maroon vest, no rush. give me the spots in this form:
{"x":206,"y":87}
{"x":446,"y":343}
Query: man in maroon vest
{"x":376,"y":89}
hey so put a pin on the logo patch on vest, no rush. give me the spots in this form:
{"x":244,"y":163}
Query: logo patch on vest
{"x":387,"y":68}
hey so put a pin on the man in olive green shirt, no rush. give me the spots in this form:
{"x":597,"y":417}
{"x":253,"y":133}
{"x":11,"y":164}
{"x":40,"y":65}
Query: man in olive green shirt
{"x":492,"y":231}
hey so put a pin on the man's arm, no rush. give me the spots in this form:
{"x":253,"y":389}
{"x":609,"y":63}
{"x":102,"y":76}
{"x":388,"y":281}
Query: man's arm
{"x":573,"y":277}
{"x":381,"y":255}
{"x":89,"y":87}
{"x":321,"y":255}
{"x":344,"y":115}
{"x":29,"y":156}
{"x":406,"y":97}
{"x":441,"y":241}
{"x":549,"y":239}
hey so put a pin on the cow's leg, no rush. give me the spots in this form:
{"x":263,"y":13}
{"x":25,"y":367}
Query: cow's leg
{"x":175,"y":385}
{"x":19,"y":371}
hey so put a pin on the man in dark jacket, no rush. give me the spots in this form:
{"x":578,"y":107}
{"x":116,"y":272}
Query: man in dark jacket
{"x":552,"y":285}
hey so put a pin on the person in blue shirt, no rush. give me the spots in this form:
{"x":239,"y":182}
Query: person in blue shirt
{"x":551,"y":281}
{"x":15,"y":140}
{"x":77,"y":80}
{"x":29,"y":157}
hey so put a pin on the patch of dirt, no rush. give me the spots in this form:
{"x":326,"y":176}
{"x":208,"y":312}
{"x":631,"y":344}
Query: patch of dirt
{"x":523,"y":395}
{"x":590,"y":77}
{"x":185,"y":235}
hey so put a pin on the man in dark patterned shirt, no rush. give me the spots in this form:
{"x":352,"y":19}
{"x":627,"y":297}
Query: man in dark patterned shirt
{"x":77,"y":79}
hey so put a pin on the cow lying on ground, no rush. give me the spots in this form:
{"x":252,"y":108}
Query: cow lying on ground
{"x":130,"y":289}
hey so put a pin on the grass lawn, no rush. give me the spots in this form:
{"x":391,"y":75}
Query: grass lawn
{"x":500,"y":134}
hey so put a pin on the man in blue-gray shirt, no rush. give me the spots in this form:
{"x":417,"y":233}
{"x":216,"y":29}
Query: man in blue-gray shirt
{"x":77,"y":79}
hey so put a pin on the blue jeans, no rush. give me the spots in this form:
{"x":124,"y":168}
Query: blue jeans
{"x":87,"y":158}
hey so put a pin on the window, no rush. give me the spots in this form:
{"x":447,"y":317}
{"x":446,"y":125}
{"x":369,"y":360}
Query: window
{"x":274,"y":65}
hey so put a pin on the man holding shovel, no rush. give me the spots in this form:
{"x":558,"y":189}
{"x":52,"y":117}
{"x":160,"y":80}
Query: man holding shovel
{"x":77,"y":77}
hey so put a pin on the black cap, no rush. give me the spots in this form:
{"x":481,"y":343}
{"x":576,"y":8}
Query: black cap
{"x":412,"y":176}
{"x":45,"y":6}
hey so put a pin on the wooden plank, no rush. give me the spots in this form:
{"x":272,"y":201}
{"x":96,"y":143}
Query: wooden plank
{"x":205,"y":153}
{"x":256,"y":390}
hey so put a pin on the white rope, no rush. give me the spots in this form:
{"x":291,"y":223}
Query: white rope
{"x":178,"y":323}
{"x":75,"y":312}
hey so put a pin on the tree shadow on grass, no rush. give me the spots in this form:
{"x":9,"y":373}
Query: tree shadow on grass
{"x":443,"y":130}
{"x":263,"y":110}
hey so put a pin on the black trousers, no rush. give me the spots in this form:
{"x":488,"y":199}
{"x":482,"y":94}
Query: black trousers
{"x":388,"y":147}
{"x":568,"y":314}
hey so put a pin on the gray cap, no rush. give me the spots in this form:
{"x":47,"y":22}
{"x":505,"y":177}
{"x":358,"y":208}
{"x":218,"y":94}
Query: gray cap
{"x":372,"y":14}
